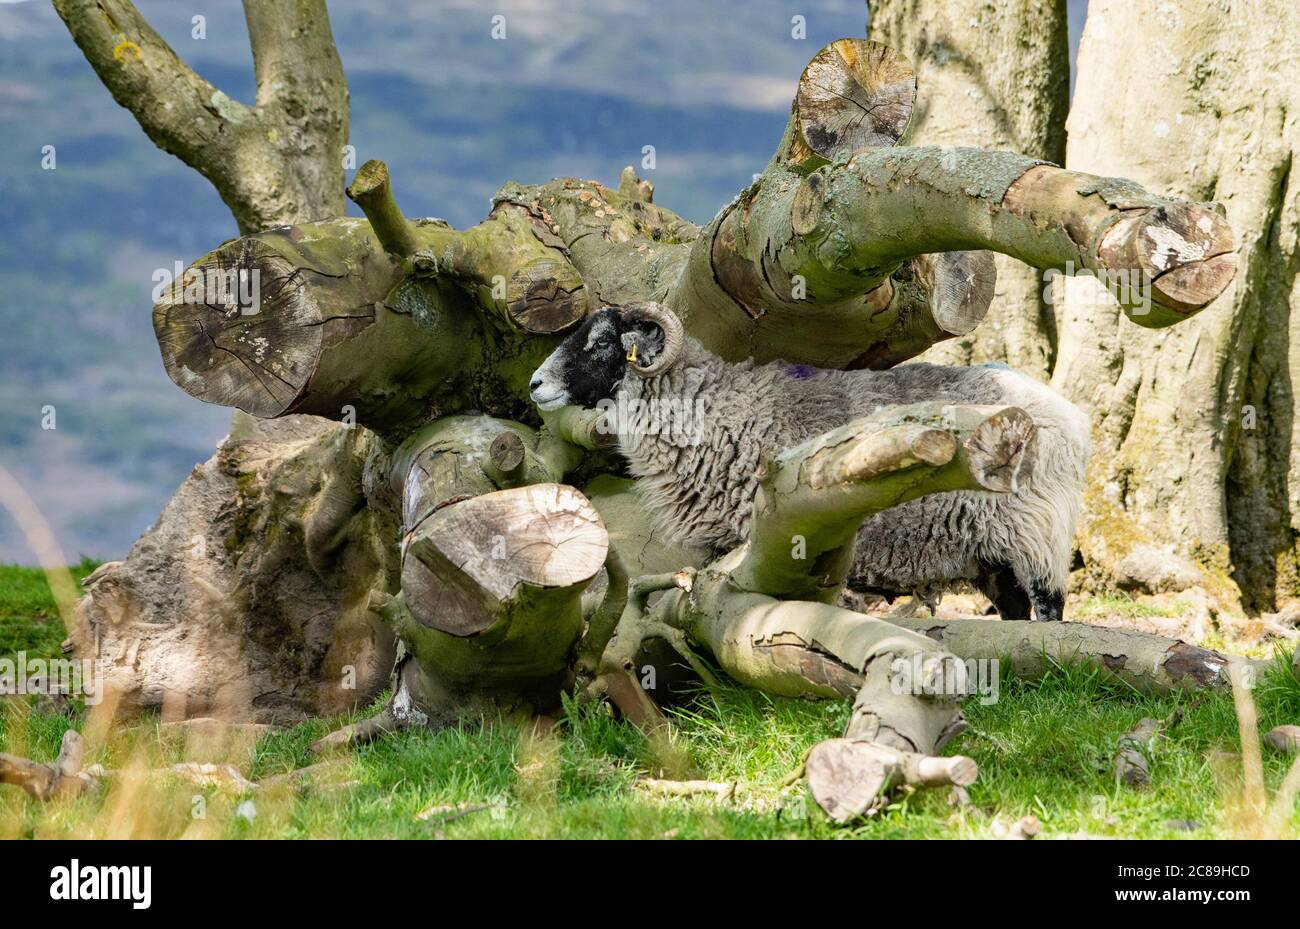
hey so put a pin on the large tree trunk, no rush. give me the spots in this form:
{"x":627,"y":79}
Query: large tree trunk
{"x":992,"y":74}
{"x":1195,"y":435}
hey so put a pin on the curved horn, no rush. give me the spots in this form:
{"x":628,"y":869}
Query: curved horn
{"x":674,"y":335}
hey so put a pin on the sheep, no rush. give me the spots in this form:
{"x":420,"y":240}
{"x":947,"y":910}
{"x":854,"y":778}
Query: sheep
{"x":699,"y":478}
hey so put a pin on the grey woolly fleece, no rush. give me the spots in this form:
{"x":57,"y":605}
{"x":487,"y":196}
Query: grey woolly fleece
{"x":700,"y":482}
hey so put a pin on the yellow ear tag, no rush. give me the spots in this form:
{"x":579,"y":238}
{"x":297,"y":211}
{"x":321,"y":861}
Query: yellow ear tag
{"x":631,"y":356}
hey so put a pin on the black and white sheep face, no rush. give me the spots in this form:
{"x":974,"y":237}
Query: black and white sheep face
{"x":590,"y":364}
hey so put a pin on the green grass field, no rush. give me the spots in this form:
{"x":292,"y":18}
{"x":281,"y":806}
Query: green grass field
{"x":1045,"y":748}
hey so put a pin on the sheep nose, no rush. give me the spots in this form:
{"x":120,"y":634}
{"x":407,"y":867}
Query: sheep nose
{"x":535,"y":383}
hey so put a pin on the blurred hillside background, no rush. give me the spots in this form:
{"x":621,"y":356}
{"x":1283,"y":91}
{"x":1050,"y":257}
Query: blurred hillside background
{"x":577,"y":88}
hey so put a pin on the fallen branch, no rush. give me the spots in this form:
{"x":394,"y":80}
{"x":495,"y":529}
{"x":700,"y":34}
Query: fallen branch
{"x":1284,"y":739}
{"x":66,"y":777}
{"x":324,"y":775}
{"x":815,"y":497}
{"x":359,"y":733}
{"x":811,"y":503}
{"x":1148,"y":663}
{"x":371,"y":191}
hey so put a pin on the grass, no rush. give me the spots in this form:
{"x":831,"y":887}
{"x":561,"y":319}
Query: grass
{"x":1120,"y":605}
{"x":1046,"y":748}
{"x":28,"y":620}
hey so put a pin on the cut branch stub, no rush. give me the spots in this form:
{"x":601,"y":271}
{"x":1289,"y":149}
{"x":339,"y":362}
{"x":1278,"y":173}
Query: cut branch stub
{"x":492,"y":581}
{"x":1162,"y":259}
{"x":932,"y":298}
{"x":382,"y":316}
{"x":854,"y":94}
{"x":1000,"y":448}
{"x":506,"y":454}
{"x":544,"y":294}
{"x":960,"y":287}
{"x":372,"y":192}
{"x":848,"y":777}
{"x":457,"y":457}
{"x":634,"y":188}
{"x":225,"y":344}
{"x":467,"y":561}
{"x":1185,"y":250}
{"x":888,"y":204}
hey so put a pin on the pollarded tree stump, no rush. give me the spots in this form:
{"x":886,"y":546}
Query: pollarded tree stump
{"x":470,"y":562}
{"x":491,"y":607}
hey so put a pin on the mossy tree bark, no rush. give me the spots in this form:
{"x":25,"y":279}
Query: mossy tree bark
{"x":1196,"y":447}
{"x":276,"y":162}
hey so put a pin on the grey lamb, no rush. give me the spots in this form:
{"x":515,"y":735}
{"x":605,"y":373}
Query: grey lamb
{"x":700,"y":483}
